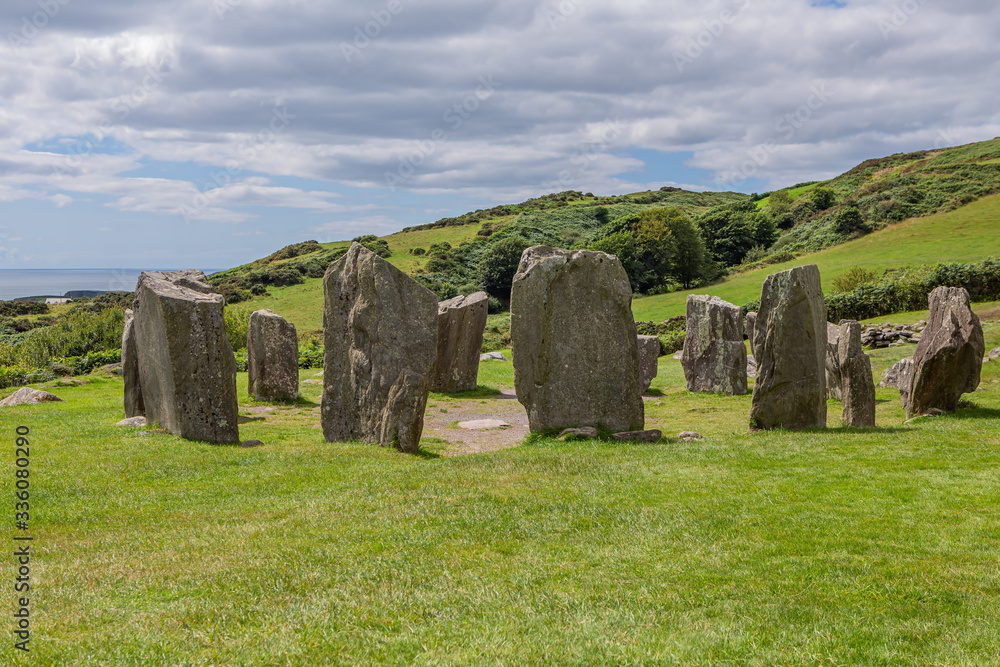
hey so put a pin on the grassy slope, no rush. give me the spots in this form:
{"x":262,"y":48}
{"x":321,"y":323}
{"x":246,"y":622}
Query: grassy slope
{"x":966,"y":234}
{"x":872,"y":547}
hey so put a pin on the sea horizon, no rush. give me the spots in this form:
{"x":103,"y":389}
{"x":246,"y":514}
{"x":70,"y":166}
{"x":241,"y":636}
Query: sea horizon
{"x":24,"y":283}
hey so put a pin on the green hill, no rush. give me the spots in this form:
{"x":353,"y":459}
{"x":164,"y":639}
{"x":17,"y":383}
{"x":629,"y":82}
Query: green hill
{"x":966,"y":234}
{"x":924,"y":207}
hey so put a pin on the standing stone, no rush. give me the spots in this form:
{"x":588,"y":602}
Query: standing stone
{"x":380,"y":330}
{"x":715,"y":358}
{"x":134,"y":406}
{"x":576,"y":355}
{"x":649,"y":355}
{"x":833,"y":361}
{"x":460,"y":325}
{"x":857,"y":385}
{"x":949,"y":357}
{"x":751,"y":323}
{"x":891,"y":377}
{"x":187,"y":370}
{"x":790,"y":348}
{"x":273,"y":357}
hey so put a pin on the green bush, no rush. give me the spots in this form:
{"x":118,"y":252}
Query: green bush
{"x":499,"y":264}
{"x":242,"y":360}
{"x":852,"y":278}
{"x":311,"y":355}
{"x":19,"y":375}
{"x":905,"y":289}
{"x":83,"y":364}
{"x":76,"y":334}
{"x":237,"y":325}
{"x":18,"y":308}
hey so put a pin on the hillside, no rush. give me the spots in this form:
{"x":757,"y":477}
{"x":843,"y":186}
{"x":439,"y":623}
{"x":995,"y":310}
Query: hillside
{"x":968,"y":234}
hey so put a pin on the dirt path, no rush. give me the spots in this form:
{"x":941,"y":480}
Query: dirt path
{"x":442,"y":418}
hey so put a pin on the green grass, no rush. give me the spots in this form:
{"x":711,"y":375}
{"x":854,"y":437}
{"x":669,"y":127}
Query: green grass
{"x":844,"y":546}
{"x":401,"y":242}
{"x":969,"y":233}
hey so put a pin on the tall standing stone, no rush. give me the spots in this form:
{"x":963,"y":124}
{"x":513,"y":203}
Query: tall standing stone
{"x":272,"y":357}
{"x":714,"y":358}
{"x":751,"y":323}
{"x":790,"y":348}
{"x":576,"y":357}
{"x":949,"y":357}
{"x":649,"y":356}
{"x":833,"y":361}
{"x":380,"y":329}
{"x":857,"y":386}
{"x":134,"y":406}
{"x":460,"y":325}
{"x":187,"y":370}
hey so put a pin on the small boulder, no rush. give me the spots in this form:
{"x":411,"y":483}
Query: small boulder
{"x":460,"y":325}
{"x":272,"y":357}
{"x":715,"y":357}
{"x":493,"y":356}
{"x":993,"y":354}
{"x":651,"y":435}
{"x":949,"y":357}
{"x":649,"y":354}
{"x":134,"y":422}
{"x":585,"y":432}
{"x":690,"y":436}
{"x":28,"y":396}
{"x":482,"y":424}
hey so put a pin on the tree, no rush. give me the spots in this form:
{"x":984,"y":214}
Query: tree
{"x":823,"y":198}
{"x":677,"y":245}
{"x":499,"y":264}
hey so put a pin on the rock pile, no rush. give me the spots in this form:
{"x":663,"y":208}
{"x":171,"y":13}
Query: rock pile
{"x":892,"y":335}
{"x":575,"y":352}
{"x":380,"y":330}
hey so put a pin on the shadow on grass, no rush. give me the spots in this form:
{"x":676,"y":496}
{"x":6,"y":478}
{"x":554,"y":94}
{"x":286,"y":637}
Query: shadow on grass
{"x":482,"y":391}
{"x":973,"y":411}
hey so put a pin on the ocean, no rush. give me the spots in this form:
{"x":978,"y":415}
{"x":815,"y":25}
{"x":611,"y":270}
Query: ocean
{"x":17,"y":283}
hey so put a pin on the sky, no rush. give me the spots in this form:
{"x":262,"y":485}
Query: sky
{"x":208,"y":133}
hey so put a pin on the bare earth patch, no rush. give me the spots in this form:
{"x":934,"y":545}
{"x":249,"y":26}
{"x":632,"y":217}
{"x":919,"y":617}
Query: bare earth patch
{"x":442,"y":417}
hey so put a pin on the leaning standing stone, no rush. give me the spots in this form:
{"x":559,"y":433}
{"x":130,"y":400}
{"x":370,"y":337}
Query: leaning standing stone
{"x":715,"y":358}
{"x":576,"y":357}
{"x":130,"y":369}
{"x":649,"y":355}
{"x":380,"y":330}
{"x":187,"y":370}
{"x":949,"y":357}
{"x":790,"y":348}
{"x":857,"y":386}
{"x":272,"y":357}
{"x":460,"y":325}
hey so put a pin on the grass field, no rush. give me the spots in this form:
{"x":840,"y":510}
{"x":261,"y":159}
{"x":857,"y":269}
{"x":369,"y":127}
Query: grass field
{"x":966,"y":234}
{"x":836,"y":547}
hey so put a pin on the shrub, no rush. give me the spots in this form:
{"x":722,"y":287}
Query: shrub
{"x":499,"y":264}
{"x":822,"y":198}
{"x":852,"y":278}
{"x":83,"y":364}
{"x":237,"y":325}
{"x":311,"y":354}
{"x":417,"y":251}
{"x":848,"y":220}
{"x":494,"y":305}
{"x":77,"y":334}
{"x":17,"y":308}
{"x":20,"y":375}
